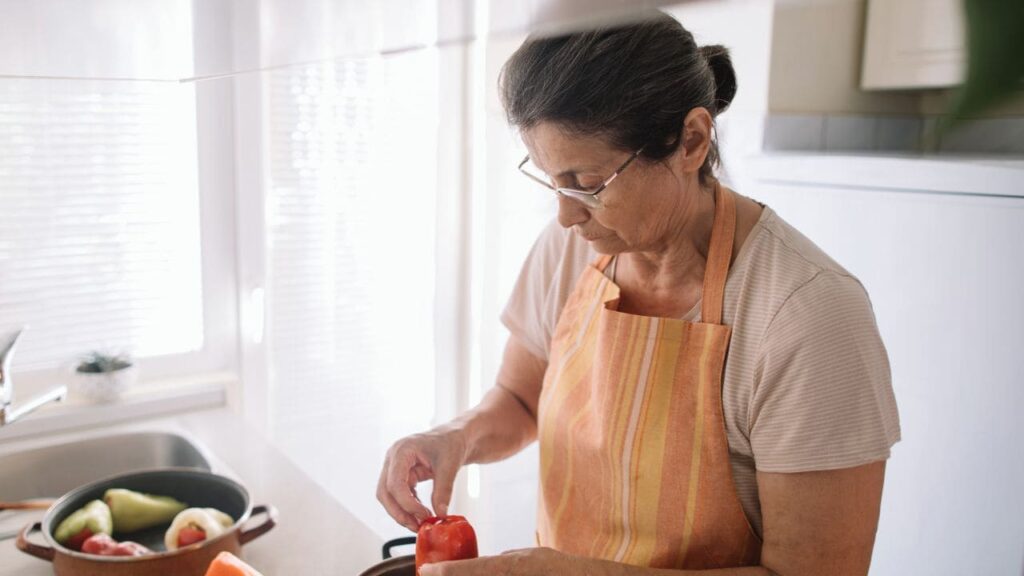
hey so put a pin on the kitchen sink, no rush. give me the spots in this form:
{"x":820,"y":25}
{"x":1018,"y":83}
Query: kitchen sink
{"x":50,"y":471}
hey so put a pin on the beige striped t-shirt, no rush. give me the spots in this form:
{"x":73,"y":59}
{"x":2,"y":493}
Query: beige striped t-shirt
{"x":807,"y":383}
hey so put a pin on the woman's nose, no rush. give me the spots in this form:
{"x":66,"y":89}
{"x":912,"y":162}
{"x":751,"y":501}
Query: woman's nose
{"x":571,"y":212}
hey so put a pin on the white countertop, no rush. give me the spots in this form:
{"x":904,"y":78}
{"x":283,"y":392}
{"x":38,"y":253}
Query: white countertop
{"x":314,"y":533}
{"x":967,"y":175}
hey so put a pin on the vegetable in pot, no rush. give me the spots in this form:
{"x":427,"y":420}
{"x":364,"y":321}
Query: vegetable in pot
{"x":443,"y":539}
{"x":93,"y":518}
{"x":227,"y":564}
{"x":195,"y":525}
{"x":133,"y":511}
{"x":104,"y":545}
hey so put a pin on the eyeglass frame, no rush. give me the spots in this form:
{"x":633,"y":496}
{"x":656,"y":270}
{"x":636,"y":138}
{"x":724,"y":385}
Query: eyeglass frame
{"x":590,"y":199}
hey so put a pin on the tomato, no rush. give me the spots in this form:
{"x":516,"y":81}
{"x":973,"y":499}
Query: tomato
{"x":445,"y":538}
{"x":130,"y":549}
{"x":190,"y":536}
{"x":99,"y":544}
{"x":104,"y":545}
{"x":76,"y":541}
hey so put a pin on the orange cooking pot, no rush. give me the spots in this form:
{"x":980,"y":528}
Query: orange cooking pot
{"x":196,"y":488}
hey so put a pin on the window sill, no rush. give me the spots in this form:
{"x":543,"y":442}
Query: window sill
{"x":145,"y":400}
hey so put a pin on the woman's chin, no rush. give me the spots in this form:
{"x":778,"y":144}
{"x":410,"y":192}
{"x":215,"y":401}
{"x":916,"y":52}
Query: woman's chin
{"x":605,"y":245}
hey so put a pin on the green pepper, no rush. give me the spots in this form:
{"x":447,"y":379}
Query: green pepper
{"x":136,"y":511}
{"x":93,"y":518}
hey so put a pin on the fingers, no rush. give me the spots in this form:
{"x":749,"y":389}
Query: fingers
{"x":432,"y":570}
{"x":482,"y":566}
{"x":396,"y":512}
{"x":401,"y":483}
{"x":444,"y":474}
{"x":396,"y":488}
{"x":392,"y":507}
{"x":444,"y":482}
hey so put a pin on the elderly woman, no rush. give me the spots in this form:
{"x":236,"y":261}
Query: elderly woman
{"x":708,"y":388}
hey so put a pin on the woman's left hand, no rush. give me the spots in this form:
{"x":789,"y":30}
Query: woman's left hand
{"x":525,"y":562}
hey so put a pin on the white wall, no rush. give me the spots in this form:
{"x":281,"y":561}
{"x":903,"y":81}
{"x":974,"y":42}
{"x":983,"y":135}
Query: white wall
{"x":944,"y":275}
{"x":96,"y":39}
{"x":745,"y":28}
{"x":816,"y":61}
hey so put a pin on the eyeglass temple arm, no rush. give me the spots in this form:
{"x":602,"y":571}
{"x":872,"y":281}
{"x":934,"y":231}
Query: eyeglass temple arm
{"x":532,"y":177}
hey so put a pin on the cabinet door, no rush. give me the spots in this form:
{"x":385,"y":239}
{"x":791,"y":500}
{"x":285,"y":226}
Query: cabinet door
{"x":913,"y":44}
{"x":945,"y":274}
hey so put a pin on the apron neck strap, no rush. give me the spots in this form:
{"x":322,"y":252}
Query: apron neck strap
{"x":723,"y":233}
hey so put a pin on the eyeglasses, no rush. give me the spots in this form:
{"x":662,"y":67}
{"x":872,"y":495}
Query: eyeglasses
{"x":590,"y":198}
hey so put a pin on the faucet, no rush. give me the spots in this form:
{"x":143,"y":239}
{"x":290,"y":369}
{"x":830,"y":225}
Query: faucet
{"x":8,"y":414}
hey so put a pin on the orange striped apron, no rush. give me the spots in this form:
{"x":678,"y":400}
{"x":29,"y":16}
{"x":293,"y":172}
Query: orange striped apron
{"x":634,"y":461}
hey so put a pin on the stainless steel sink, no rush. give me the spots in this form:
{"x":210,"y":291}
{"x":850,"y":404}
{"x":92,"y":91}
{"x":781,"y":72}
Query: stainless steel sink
{"x":51,"y":471}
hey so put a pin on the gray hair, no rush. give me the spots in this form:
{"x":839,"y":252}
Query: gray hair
{"x":632,"y":84}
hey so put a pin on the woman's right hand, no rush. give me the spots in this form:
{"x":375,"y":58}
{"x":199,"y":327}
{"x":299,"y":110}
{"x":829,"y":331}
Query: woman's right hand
{"x":436,"y":455}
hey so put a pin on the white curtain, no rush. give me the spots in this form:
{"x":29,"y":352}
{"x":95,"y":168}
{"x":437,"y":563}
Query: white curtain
{"x":350,"y":215}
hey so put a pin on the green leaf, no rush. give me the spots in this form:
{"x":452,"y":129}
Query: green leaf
{"x":995,"y":58}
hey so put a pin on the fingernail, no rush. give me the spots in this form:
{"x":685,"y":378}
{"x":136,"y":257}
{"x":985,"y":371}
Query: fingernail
{"x":426,"y":570}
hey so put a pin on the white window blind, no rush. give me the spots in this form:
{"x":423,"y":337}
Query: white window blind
{"x":350,"y":215}
{"x":99,"y":219}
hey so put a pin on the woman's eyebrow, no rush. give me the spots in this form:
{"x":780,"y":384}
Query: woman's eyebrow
{"x":585,"y":169}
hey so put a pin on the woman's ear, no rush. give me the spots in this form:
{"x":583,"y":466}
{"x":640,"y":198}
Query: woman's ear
{"x":695,"y":139}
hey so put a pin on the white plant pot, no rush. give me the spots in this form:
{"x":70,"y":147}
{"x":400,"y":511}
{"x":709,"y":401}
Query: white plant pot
{"x":100,"y":387}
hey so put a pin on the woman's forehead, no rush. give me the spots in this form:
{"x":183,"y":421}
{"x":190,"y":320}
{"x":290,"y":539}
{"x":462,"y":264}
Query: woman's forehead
{"x":558,"y":151}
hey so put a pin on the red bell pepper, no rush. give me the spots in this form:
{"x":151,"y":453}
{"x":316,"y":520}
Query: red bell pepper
{"x":188,"y":536}
{"x":443,"y":539}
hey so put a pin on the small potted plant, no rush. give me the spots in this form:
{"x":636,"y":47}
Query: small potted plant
{"x":104,"y":377}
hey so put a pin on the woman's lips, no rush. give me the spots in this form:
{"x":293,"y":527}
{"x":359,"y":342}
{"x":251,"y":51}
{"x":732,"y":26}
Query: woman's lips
{"x":588,"y":237}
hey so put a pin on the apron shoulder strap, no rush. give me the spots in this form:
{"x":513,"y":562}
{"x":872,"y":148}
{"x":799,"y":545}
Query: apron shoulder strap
{"x":723,"y":233}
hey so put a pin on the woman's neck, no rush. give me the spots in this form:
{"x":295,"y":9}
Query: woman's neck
{"x":679,"y":259}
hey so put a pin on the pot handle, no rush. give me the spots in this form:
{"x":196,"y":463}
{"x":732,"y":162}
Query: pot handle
{"x":41,"y":552}
{"x":395,"y":542}
{"x":253,"y":533}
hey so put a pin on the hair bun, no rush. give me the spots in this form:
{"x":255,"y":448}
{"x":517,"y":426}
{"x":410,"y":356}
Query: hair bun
{"x":725,"y":77}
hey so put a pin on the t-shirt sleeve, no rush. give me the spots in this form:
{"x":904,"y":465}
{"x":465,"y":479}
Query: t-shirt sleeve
{"x":824,"y":397}
{"x":531,"y":312}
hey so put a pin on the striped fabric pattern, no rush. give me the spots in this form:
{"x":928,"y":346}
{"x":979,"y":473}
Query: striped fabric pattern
{"x":634,"y":472}
{"x":634,"y":463}
{"x":807,"y":383}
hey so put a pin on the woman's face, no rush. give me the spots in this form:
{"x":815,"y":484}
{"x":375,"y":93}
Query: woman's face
{"x":640,"y":210}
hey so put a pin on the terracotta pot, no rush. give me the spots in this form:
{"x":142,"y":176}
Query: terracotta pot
{"x":196,"y":488}
{"x":400,"y":566}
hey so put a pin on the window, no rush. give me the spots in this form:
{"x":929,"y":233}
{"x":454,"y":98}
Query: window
{"x":350,"y":236}
{"x":99,"y":239}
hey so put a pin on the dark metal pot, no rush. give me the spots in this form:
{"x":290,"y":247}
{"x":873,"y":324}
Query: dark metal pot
{"x":400,"y":566}
{"x":196,"y":488}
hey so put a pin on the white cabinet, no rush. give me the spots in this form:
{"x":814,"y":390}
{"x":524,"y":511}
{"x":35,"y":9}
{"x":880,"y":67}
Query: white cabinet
{"x":945,"y":274}
{"x":913,"y":44}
